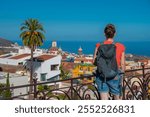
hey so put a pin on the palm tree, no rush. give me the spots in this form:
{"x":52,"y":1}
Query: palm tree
{"x":32,"y":36}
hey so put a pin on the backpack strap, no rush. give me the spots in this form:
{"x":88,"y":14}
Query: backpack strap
{"x":101,"y":43}
{"x":115,"y":43}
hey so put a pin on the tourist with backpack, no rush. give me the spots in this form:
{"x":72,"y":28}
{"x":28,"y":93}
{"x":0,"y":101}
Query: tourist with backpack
{"x":109,"y":57}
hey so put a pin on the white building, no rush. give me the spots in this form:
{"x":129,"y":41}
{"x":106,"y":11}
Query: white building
{"x":83,"y":59}
{"x":14,"y":59}
{"x":23,"y":54}
{"x":132,"y":65}
{"x":15,"y":80}
{"x":46,"y":67}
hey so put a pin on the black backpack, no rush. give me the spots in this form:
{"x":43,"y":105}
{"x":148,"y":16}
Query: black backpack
{"x":106,"y":61}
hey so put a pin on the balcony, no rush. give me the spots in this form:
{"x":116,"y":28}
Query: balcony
{"x":136,"y":86}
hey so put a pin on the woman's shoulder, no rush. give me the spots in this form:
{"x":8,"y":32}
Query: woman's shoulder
{"x":120,"y":45}
{"x":97,"y":45}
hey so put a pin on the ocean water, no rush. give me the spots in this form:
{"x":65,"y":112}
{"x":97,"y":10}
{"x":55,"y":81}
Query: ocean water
{"x":137,"y":48}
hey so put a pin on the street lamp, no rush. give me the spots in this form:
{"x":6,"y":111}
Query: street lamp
{"x":142,"y":64}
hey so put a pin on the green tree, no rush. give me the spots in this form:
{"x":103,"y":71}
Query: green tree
{"x":2,"y":91}
{"x":64,"y":74}
{"x":7,"y":94}
{"x":32,"y":36}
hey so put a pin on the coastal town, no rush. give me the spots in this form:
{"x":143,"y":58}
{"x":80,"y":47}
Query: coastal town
{"x":52,"y":64}
{"x":74,"y":58}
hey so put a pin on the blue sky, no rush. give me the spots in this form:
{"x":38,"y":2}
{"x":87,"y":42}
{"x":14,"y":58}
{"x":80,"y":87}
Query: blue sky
{"x":78,"y":19}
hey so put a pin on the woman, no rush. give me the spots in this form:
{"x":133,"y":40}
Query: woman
{"x":114,"y":85}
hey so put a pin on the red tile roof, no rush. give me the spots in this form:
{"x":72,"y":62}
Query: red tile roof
{"x":144,"y":60}
{"x":10,"y":68}
{"x":20,"y":56}
{"x":68,"y":66}
{"x":53,"y":49}
{"x":45,"y":57}
{"x":83,"y":59}
{"x":64,"y":57}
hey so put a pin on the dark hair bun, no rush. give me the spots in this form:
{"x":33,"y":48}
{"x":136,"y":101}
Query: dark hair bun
{"x":110,"y":31}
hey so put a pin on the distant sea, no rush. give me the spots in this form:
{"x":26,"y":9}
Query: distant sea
{"x":136,"y":48}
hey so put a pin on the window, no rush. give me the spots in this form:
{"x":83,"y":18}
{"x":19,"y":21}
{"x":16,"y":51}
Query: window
{"x":81,"y":68}
{"x":43,"y":77}
{"x":20,"y":63}
{"x":54,"y":67}
{"x":85,"y":69}
{"x":88,"y":68}
{"x":90,"y":78}
{"x":82,"y":61}
{"x":53,"y":78}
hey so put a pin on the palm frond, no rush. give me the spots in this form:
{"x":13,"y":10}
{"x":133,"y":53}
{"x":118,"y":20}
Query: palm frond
{"x":24,"y":28}
{"x":41,"y":35}
{"x":32,"y":34}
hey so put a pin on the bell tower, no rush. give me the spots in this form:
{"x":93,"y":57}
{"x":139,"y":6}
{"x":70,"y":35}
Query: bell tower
{"x":54,"y":44}
{"x":80,"y":51}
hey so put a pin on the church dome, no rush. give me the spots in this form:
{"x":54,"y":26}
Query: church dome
{"x":80,"y":49}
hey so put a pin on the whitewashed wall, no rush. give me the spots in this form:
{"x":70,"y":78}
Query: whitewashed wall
{"x":45,"y":67}
{"x":16,"y":81}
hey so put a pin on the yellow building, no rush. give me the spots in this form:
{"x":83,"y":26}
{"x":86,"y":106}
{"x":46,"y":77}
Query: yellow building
{"x":83,"y":69}
{"x":149,"y":89}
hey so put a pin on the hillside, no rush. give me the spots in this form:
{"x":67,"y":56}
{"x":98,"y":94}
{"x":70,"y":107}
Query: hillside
{"x":4,"y":42}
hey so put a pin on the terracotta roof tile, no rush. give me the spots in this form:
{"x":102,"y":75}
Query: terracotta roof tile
{"x":53,"y":49}
{"x":83,"y":59}
{"x":20,"y":56}
{"x":45,"y":57}
{"x":10,"y":68}
{"x":64,"y":57}
{"x":67,"y":66}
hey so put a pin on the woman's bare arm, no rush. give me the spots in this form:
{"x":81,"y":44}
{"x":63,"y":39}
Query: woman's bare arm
{"x":123,"y":62}
{"x":94,"y":54}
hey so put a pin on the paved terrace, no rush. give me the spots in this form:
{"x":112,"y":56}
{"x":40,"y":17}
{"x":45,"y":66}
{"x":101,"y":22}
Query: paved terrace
{"x":136,"y":86}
